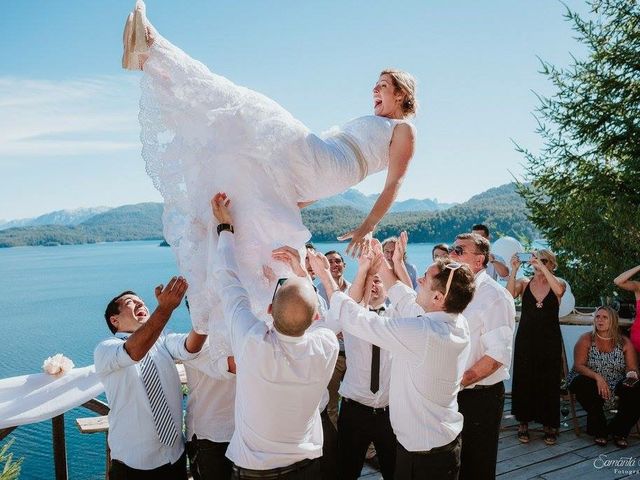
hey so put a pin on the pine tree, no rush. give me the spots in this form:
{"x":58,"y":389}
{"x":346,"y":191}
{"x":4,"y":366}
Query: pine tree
{"x":583,"y":189}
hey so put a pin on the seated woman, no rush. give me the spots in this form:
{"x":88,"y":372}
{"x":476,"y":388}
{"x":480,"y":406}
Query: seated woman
{"x":606,"y":366}
{"x":537,"y":356}
{"x":624,"y":282}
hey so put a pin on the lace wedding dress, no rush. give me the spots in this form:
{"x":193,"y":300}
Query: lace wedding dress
{"x":202,"y":134}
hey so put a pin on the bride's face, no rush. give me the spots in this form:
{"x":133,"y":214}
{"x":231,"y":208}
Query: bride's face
{"x":386,"y":101}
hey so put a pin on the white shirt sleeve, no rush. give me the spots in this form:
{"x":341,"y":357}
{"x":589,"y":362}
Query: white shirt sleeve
{"x":499,"y":324}
{"x":175,"y":343}
{"x":403,"y":299}
{"x":235,"y":301}
{"x":110,"y":355}
{"x":402,"y":337}
{"x":214,"y":367}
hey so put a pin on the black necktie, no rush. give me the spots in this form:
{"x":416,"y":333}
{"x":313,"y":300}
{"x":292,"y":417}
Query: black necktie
{"x":375,"y":361}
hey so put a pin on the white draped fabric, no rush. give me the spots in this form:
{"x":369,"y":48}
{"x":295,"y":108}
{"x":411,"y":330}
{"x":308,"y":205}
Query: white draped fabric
{"x":40,"y":396}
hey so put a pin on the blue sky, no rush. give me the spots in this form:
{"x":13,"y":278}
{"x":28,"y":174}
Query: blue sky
{"x":68,"y":113}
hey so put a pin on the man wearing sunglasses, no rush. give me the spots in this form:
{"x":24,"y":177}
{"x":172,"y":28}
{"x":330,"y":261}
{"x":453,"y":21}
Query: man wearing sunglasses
{"x":429,"y":341}
{"x":282,"y":372}
{"x":491,"y":316}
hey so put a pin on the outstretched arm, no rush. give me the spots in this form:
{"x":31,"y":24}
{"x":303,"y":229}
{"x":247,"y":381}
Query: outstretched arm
{"x":169,"y":298}
{"x":400,"y":153}
{"x":624,"y":281}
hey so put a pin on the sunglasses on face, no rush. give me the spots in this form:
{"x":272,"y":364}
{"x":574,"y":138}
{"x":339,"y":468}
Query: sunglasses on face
{"x":279,"y":283}
{"x":459,"y":250}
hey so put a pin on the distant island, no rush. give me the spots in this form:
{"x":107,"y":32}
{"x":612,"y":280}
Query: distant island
{"x":501,"y":208}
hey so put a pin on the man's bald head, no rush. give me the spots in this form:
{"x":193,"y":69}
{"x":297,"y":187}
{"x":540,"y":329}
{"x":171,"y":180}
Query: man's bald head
{"x":294,"y":307}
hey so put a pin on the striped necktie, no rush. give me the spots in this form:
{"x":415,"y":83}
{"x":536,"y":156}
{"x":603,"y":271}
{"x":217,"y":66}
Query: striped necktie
{"x":165,"y":426}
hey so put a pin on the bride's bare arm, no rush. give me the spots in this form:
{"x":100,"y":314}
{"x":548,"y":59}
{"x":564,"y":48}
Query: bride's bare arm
{"x":400,"y":153}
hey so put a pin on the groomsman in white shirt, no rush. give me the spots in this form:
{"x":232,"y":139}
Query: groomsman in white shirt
{"x":364,"y":411}
{"x":429,"y":341}
{"x":210,"y":414}
{"x":491,"y":316}
{"x":282,"y":372}
{"x":142,"y":385}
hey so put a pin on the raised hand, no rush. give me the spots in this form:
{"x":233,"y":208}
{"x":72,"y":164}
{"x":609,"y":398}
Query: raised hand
{"x":360,"y":239}
{"x":220,"y":206}
{"x":169,"y":297}
{"x":319,"y":264}
{"x":515,"y":262}
{"x":291,"y":256}
{"x":401,"y":248}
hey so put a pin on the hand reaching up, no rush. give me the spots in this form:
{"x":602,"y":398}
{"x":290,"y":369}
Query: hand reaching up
{"x":319,"y":264}
{"x":290,"y":256}
{"x":220,"y":206}
{"x":401,"y":248}
{"x":169,"y":297}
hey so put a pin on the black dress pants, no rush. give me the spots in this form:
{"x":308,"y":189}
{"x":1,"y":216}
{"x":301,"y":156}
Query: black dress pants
{"x":170,"y":471}
{"x":441,"y":463}
{"x":358,"y":426}
{"x":207,"y":459}
{"x":329,"y":459}
{"x":482,"y":410}
{"x":586,"y":391}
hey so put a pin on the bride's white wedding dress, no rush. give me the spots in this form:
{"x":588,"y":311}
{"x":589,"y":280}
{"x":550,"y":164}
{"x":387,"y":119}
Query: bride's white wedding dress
{"x":202,"y":134}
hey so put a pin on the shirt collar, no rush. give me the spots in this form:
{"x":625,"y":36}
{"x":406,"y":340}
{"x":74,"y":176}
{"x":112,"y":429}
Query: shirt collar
{"x":481,"y":276}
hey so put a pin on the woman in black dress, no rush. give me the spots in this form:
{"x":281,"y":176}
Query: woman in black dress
{"x":537,"y":358}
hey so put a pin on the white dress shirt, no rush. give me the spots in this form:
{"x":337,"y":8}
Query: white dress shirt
{"x":429,"y":355}
{"x":133,"y":438}
{"x":356,"y":384}
{"x":211,"y":398}
{"x":280,"y":379}
{"x":492,"y":317}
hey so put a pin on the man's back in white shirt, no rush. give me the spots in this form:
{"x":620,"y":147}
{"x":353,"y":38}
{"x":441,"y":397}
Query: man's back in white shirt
{"x":280,"y":380}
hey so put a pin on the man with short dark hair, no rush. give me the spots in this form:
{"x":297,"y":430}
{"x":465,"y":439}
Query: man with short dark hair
{"x":282,"y":372}
{"x":491,"y":317}
{"x":142,"y":385}
{"x":496,"y":265}
{"x":428,"y":339}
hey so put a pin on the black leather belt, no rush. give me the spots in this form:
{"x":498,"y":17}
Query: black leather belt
{"x":274,"y":473}
{"x":481,"y":387}
{"x":444,"y":448}
{"x":359,"y":405}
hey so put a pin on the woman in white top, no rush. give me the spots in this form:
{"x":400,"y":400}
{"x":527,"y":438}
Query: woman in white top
{"x":202,"y":134}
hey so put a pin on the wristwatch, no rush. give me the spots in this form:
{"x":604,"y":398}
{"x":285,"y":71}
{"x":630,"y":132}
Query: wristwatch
{"x":224,"y":226}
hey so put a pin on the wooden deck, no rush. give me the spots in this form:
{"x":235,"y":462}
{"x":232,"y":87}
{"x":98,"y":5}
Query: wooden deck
{"x":572,"y":457}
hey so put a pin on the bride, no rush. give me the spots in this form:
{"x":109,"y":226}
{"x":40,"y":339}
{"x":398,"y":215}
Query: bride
{"x":202,"y":134}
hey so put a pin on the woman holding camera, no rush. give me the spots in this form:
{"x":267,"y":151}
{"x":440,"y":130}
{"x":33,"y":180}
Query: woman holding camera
{"x":537,"y":356}
{"x":624,"y":282}
{"x":605,"y":366}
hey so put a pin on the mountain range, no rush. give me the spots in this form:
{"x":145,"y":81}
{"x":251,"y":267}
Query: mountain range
{"x":59,"y":217}
{"x":429,"y":221}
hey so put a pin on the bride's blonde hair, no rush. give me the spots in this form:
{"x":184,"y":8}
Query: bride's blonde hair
{"x":404,"y":82}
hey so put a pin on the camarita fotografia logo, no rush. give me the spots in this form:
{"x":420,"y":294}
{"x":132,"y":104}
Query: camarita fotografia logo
{"x":619,"y":465}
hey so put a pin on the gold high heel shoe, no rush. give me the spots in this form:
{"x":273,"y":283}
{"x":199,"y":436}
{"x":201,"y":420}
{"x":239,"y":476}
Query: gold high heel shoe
{"x":136,"y":38}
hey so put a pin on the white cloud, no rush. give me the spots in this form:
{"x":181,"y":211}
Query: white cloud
{"x":71,"y":117}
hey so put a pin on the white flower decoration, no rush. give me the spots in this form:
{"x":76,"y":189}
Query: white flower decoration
{"x":57,"y":365}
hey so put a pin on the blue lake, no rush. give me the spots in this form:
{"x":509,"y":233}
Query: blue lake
{"x":53,"y":299}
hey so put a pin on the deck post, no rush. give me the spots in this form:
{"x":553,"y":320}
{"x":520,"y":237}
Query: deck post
{"x":59,"y":447}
